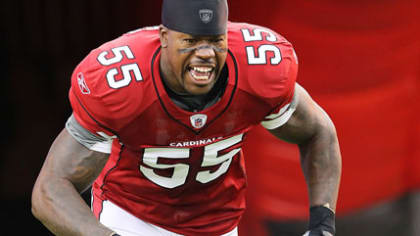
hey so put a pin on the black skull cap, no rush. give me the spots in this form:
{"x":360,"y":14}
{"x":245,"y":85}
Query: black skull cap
{"x":196,"y":17}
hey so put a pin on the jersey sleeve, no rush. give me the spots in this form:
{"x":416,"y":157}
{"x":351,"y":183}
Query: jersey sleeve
{"x":86,"y":97}
{"x":91,"y":141}
{"x":270,"y":65}
{"x":281,"y":114}
{"x":285,"y":106}
{"x":104,"y":94}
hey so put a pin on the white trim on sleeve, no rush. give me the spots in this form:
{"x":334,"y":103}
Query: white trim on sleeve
{"x":280,"y":118}
{"x":99,"y":142}
{"x":104,"y":147}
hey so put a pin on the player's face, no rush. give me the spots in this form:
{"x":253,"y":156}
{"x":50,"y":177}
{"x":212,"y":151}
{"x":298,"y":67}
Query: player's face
{"x":192,"y":64}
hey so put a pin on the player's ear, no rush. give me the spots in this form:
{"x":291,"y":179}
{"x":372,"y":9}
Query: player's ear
{"x":163,"y":35}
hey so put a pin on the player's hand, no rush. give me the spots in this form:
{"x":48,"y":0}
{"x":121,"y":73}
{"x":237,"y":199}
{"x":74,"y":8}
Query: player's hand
{"x":321,"y":221}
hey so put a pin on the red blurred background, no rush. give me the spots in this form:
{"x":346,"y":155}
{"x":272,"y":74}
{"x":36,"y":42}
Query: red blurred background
{"x":360,"y":60}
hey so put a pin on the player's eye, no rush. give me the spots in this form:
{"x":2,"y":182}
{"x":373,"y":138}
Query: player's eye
{"x":218,"y":40}
{"x":190,"y":41}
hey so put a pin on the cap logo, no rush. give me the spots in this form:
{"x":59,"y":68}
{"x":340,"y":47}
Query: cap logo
{"x":206,"y":15}
{"x":198,"y":121}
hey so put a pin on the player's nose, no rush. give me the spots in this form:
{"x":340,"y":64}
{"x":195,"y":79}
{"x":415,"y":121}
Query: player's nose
{"x":205,"y":51}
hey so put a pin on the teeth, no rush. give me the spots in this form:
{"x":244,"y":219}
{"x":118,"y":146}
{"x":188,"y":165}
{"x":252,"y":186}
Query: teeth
{"x":202,"y":69}
{"x":200,"y":77}
{"x":201,"y":73}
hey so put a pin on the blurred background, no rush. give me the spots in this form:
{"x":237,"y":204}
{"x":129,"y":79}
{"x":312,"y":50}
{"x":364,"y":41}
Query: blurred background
{"x":360,"y":60}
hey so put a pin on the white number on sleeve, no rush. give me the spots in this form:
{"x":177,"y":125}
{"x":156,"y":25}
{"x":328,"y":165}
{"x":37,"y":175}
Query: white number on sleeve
{"x":261,"y":59}
{"x":264,"y":49}
{"x":258,"y":35}
{"x":118,"y":56}
{"x":126,"y":69}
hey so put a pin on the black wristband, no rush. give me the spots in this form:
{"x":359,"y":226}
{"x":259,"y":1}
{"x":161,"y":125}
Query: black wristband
{"x":321,"y":219}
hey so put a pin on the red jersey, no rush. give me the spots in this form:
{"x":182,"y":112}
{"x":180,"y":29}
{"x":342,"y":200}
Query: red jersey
{"x":180,"y":170}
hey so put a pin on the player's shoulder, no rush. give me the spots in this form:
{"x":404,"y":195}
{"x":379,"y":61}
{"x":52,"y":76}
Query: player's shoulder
{"x":118,"y":55}
{"x":115,"y":75}
{"x":240,"y":32}
{"x":138,"y":39}
{"x":118,"y":63}
{"x":266,"y":61}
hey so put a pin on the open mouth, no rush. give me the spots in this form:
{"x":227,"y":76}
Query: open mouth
{"x":201,"y":73}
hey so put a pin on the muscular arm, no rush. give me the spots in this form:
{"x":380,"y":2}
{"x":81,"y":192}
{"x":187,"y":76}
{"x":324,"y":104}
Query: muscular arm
{"x":68,"y":170}
{"x":313,"y":131}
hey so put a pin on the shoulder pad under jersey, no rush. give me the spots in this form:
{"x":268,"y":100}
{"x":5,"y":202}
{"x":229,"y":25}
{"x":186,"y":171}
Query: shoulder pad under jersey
{"x":267,"y":63}
{"x":108,"y":86}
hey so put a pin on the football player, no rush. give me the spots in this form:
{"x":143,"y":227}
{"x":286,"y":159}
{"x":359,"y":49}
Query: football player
{"x":159,"y":118}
